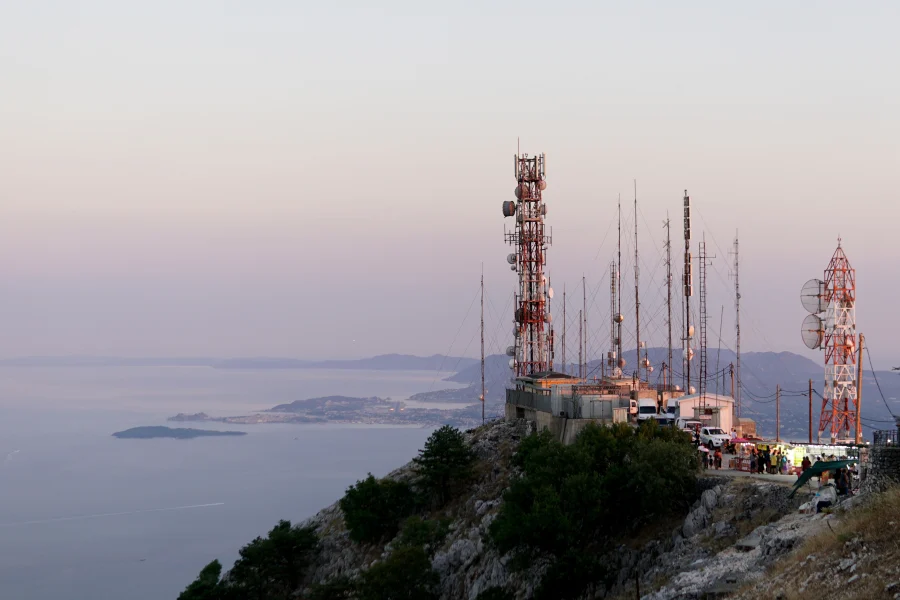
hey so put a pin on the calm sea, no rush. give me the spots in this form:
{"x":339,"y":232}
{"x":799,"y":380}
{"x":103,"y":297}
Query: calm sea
{"x":87,"y":516}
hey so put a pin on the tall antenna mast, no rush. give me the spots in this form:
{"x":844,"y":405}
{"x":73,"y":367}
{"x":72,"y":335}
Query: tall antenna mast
{"x":620,"y":317}
{"x":737,"y":325}
{"x":580,"y":347}
{"x":703,"y":324}
{"x":637,"y":297}
{"x":584,"y":316}
{"x":669,"y":296}
{"x":533,"y":350}
{"x":482,"y":344}
{"x":688,"y":292}
{"x":612,"y":356}
{"x":565,"y":324}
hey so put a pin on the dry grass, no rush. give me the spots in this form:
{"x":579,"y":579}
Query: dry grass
{"x":868,"y":535}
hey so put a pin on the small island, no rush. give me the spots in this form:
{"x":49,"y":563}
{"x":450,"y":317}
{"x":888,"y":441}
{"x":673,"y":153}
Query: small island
{"x":168,"y":432}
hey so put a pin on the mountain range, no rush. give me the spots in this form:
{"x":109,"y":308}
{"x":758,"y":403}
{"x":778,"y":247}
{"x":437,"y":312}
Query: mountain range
{"x":383,"y":362}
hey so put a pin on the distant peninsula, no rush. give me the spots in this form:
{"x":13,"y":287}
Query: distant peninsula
{"x":168,"y":432}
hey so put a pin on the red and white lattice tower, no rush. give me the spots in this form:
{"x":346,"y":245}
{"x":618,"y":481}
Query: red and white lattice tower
{"x":533,"y":350}
{"x":839,"y":402}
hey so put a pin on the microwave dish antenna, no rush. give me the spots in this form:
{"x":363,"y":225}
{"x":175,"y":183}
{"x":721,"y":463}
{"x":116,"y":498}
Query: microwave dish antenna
{"x":812,"y":331}
{"x":812,"y":296}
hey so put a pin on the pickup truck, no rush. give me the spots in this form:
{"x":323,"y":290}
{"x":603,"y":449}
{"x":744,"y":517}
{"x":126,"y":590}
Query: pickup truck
{"x":713,"y":436}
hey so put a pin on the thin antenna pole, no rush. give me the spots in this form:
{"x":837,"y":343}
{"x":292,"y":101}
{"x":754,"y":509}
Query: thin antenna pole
{"x":669,"y":295}
{"x":637,"y":287}
{"x":859,"y":387}
{"x":778,"y":413}
{"x":737,"y":318}
{"x":565,"y":323}
{"x":719,"y":353}
{"x":584,"y":316}
{"x":483,"y":398}
{"x":619,"y":271}
{"x":688,"y":291}
{"x":580,"y":347}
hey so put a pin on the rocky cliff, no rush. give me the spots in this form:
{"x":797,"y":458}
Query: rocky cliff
{"x":738,"y":531}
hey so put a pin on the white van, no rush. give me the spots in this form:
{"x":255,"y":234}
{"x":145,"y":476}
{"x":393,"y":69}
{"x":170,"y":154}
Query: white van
{"x":646,"y":409}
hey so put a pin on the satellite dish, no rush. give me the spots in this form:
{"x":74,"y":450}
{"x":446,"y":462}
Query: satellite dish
{"x":512,"y":363}
{"x":510,"y":350}
{"x":812,"y":331}
{"x":550,"y":293}
{"x":690,"y":331}
{"x":511,"y":258}
{"x":812,"y":296}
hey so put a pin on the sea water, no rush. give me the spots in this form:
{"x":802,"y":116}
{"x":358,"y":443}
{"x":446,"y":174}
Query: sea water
{"x":87,"y":516}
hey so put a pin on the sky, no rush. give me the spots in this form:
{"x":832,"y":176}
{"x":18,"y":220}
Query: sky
{"x":324,"y":180}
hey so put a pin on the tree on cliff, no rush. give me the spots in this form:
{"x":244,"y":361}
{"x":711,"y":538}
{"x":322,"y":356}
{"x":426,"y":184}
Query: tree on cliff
{"x":574,"y":502}
{"x":269,"y":568}
{"x":373,"y":508}
{"x":444,"y":463}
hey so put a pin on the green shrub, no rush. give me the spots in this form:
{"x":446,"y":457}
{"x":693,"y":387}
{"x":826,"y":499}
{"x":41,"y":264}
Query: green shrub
{"x":574,"y":502}
{"x":269,"y":568}
{"x":206,"y":586}
{"x":405,"y":575}
{"x":273,"y":567}
{"x":425,"y":533}
{"x":374,"y":508}
{"x":339,"y":588}
{"x":496,"y":593}
{"x":444,"y":464}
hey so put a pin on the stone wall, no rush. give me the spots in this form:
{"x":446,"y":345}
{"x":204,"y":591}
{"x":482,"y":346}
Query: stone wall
{"x":883,"y":467}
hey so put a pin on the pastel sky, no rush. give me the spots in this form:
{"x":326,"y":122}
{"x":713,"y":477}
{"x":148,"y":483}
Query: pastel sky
{"x":325,"y":179}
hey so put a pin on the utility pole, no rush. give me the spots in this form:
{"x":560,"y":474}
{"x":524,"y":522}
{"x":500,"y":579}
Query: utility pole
{"x":778,"y":413}
{"x":669,"y":296}
{"x":859,"y":386}
{"x":637,"y":300}
{"x":810,"y":410}
{"x":482,"y":345}
{"x":565,"y":364}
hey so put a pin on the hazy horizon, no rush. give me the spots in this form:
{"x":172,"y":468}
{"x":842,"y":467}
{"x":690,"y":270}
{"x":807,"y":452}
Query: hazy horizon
{"x":325,"y":181}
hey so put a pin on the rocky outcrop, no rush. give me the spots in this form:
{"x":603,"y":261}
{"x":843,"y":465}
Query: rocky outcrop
{"x":465,"y":563}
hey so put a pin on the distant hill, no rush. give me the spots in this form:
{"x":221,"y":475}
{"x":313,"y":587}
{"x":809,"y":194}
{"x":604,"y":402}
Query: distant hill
{"x":168,"y":432}
{"x":401,"y":362}
{"x":384,"y":362}
{"x":333,"y":403}
{"x":105,"y":361}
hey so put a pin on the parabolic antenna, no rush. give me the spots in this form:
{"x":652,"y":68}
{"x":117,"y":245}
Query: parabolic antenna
{"x":812,"y":331}
{"x":812,"y":296}
{"x":550,"y":293}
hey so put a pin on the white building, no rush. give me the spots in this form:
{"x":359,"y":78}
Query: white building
{"x":714,"y":410}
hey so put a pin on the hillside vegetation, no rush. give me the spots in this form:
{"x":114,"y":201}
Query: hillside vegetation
{"x":495,"y":512}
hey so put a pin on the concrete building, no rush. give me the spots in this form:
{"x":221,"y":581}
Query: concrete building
{"x":564,"y":404}
{"x":715,"y":410}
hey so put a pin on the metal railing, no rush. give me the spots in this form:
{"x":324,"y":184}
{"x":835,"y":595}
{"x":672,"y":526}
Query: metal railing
{"x":885,"y":437}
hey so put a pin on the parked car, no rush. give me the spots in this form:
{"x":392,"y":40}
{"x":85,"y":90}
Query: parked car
{"x":692,"y":427}
{"x":714,"y":436}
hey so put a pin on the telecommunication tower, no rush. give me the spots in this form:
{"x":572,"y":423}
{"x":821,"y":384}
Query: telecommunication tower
{"x":835,"y":297}
{"x":533,"y":350}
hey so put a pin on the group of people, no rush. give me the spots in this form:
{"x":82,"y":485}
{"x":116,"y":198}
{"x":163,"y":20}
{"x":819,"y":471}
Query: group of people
{"x":765,"y":461}
{"x":711,"y":457}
